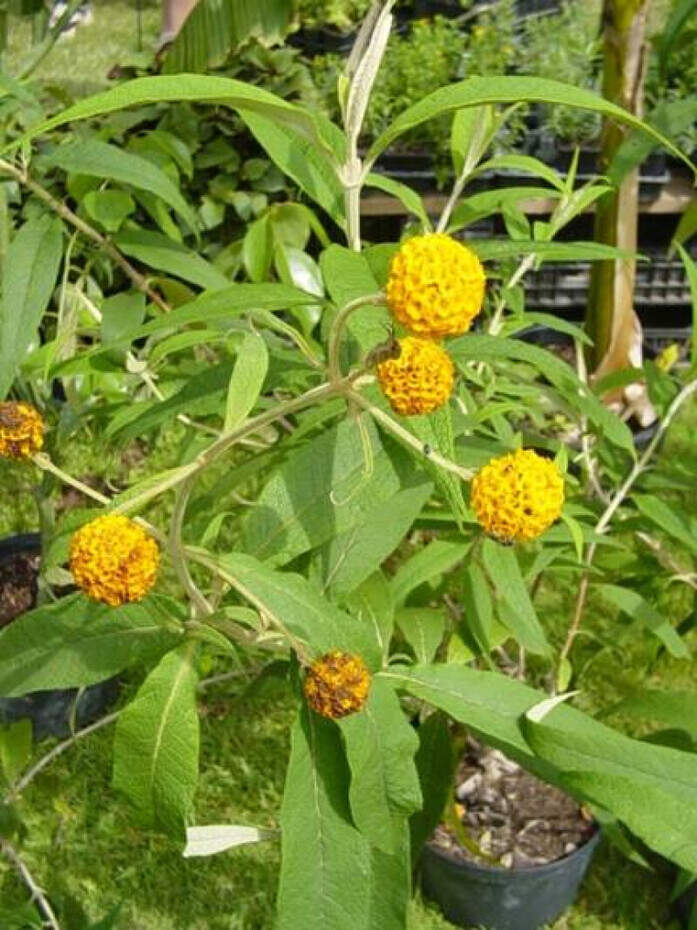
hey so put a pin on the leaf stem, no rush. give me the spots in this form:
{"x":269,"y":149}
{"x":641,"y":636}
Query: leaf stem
{"x":336,"y":332}
{"x":176,"y":549}
{"x":397,"y":430}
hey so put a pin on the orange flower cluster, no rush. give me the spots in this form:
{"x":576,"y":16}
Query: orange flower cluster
{"x":21,"y":430}
{"x":517,"y":497}
{"x":420,"y":379}
{"x":337,"y":685}
{"x":113,"y":560}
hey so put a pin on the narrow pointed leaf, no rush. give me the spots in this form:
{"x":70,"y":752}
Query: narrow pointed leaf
{"x":380,"y":747}
{"x":156,"y":744}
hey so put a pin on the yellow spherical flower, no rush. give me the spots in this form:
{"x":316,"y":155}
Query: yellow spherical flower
{"x":517,"y":497}
{"x":420,"y":379}
{"x":337,"y":684}
{"x":113,"y":560}
{"x":21,"y":430}
{"x":435,"y":286}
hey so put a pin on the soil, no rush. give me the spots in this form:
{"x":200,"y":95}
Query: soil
{"x":18,"y":585}
{"x":515,"y":820}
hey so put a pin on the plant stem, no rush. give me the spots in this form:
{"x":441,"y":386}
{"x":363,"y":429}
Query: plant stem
{"x":176,"y":550}
{"x":336,"y":332}
{"x":611,"y":509}
{"x":465,"y":474}
{"x":138,"y":280}
{"x":37,"y":895}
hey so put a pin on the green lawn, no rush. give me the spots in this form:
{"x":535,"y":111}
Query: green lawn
{"x":80,"y":64}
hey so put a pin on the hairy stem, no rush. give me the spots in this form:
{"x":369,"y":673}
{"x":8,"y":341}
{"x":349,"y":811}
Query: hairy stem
{"x":336,"y":332}
{"x":397,"y":430}
{"x":176,"y":549}
{"x":138,"y":280}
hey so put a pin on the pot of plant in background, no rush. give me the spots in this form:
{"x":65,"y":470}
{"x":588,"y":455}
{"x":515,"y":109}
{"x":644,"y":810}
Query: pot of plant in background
{"x":56,"y":712}
{"x":512,"y":851}
{"x":685,"y":899}
{"x":327,"y":26}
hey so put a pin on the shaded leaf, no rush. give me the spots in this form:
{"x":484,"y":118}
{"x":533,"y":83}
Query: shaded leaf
{"x":77,"y":642}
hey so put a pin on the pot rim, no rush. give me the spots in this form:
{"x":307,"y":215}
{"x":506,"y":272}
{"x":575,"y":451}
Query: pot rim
{"x":20,"y":543}
{"x":500,"y":874}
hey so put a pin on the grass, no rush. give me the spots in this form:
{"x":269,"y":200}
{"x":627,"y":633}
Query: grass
{"x":79,"y":64}
{"x":82,"y":844}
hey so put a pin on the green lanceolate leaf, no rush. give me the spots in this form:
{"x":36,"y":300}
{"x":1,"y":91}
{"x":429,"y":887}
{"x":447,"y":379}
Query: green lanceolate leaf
{"x":436,"y":433}
{"x":489,"y":703}
{"x":435,"y":763}
{"x":77,"y":642}
{"x":299,"y":160}
{"x":103,"y":160}
{"x":515,"y":607}
{"x":477,"y":91}
{"x":642,"y":783}
{"x":324,"y":489}
{"x":480,"y":347}
{"x":478,"y":618}
{"x":347,"y":276}
{"x":408,"y":198}
{"x":371,"y":603}
{"x":227,"y":303}
{"x":326,"y":863}
{"x":636,"y":607}
{"x":247,"y":379}
{"x":157,"y":741}
{"x":158,"y":251}
{"x":312,"y":624}
{"x":351,"y":557}
{"x":31,"y":267}
{"x":423,"y":628}
{"x":438,"y":557}
{"x":331,"y":876}
{"x":498,"y":249}
{"x":380,"y":746}
{"x":663,"y":821}
{"x":182,"y":87}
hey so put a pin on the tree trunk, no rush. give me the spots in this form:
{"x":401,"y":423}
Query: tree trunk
{"x":610,"y":319}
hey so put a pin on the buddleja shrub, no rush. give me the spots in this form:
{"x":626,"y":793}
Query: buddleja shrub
{"x":390,"y":413}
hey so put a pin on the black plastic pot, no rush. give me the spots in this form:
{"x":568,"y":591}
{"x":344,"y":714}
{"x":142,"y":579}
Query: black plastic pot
{"x":528,"y":7}
{"x":654,"y":173}
{"x":51,"y":712}
{"x":323,"y":41}
{"x":686,"y":905}
{"x":473,"y":895}
{"x":416,"y":169}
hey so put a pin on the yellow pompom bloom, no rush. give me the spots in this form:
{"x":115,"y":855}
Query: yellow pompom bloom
{"x":420,"y":379}
{"x":435,"y":286}
{"x":113,"y":560}
{"x":337,"y":685}
{"x":21,"y":430}
{"x":517,"y":497}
